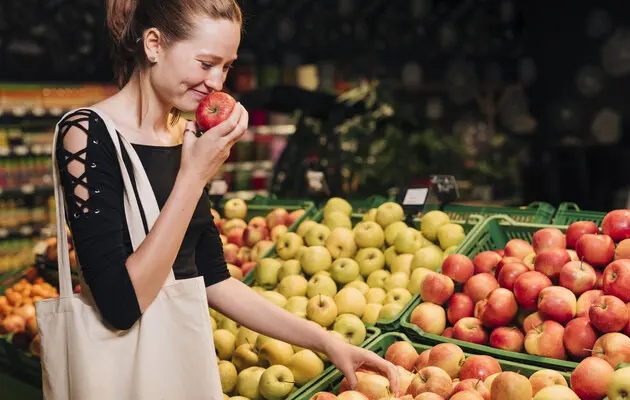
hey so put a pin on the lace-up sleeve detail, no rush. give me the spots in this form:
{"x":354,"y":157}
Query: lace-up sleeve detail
{"x":93,"y":190}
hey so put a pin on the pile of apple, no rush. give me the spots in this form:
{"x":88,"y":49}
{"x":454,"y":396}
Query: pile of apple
{"x":445,"y":372}
{"x":564,"y":296}
{"x":331,"y":269}
{"x":244,"y":243}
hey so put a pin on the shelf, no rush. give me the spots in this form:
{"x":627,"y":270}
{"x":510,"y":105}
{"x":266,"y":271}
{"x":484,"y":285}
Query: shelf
{"x":23,"y":232}
{"x":26,"y":190}
{"x":26,"y":151}
{"x":246,"y":194}
{"x":277,"y":130}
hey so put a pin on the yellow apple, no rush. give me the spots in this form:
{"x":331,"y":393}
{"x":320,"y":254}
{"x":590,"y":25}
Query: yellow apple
{"x":304,"y":227}
{"x":315,"y":259}
{"x":224,"y":343}
{"x":228,"y":375}
{"x":337,"y":220}
{"x":321,"y":284}
{"x":388,"y":213}
{"x":371,"y":313}
{"x":393,"y":230}
{"x":275,"y":352}
{"x":362,"y":286}
{"x":428,"y":257}
{"x":276,"y":298}
{"x":402,"y":263}
{"x":337,"y":204}
{"x":294,"y":285}
{"x":375,"y":295}
{"x":450,"y":235}
{"x":369,"y":259}
{"x":430,"y":223}
{"x":350,"y":300}
{"x":305,"y":366}
{"x":248,"y":381}
{"x":341,"y":244}
{"x":408,"y":241}
{"x":377,"y":278}
{"x":317,"y":235}
{"x":417,"y":277}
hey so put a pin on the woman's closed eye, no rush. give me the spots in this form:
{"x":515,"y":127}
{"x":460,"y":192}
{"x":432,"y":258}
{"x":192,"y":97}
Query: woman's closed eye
{"x":206,"y":65}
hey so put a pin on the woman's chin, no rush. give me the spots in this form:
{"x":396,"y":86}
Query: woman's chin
{"x":187,"y":106}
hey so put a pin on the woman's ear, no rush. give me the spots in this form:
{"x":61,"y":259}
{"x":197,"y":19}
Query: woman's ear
{"x":152,"y":45}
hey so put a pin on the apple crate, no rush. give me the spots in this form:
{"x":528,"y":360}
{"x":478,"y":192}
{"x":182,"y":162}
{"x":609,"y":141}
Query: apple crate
{"x":569,"y":213}
{"x":492,"y":234}
{"x":332,"y":381}
{"x":536,"y":212}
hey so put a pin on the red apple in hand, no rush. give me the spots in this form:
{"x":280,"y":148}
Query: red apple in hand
{"x":546,"y":341}
{"x":214,"y":109}
{"x":585,"y":301}
{"x":509,"y":273}
{"x":518,"y":248}
{"x":486,"y":261}
{"x":548,"y":239}
{"x":578,"y":277}
{"x":550,"y":262}
{"x":498,"y":309}
{"x":577,"y":229}
{"x":527,"y":287}
{"x":616,"y":224}
{"x":609,"y":314}
{"x":479,"y":286}
{"x":459,"y":306}
{"x":579,"y":337}
{"x":557,"y":303}
{"x":507,"y":338}
{"x":597,"y":250}
{"x":458,"y":267}
{"x":617,"y":279}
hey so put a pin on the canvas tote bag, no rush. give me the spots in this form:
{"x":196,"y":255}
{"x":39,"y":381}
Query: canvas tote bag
{"x":168,"y":354}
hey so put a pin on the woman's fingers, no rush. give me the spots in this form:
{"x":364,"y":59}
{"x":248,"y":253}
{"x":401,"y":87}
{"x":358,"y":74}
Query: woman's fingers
{"x":229,"y":124}
{"x":241,"y":128}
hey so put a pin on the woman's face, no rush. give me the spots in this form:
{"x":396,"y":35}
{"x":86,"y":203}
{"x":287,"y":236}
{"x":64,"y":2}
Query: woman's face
{"x":189,"y":70}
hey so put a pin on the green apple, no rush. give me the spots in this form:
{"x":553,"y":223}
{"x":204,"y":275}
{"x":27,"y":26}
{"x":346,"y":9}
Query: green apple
{"x":375,"y":295}
{"x":337,"y":204}
{"x":274,"y":352}
{"x":304,"y":227}
{"x":450,"y":235}
{"x":351,"y":327}
{"x":245,"y":356}
{"x":321,"y":284}
{"x":266,"y":273}
{"x":408,"y":241}
{"x":431,"y":221}
{"x":388,"y":213}
{"x":315,"y":259}
{"x":344,"y":270}
{"x":224,"y":343}
{"x":370,"y":259}
{"x":248,"y":381}
{"x":276,"y":382}
{"x":397,"y":280}
{"x":370,"y":315}
{"x":417,"y":277}
{"x":402,"y":263}
{"x":362,"y":286}
{"x":289,"y":267}
{"x":401,"y":296}
{"x":229,"y":325}
{"x":305,"y":366}
{"x":393,"y":230}
{"x":297,"y":305}
{"x":322,"y":310}
{"x":337,"y":220}
{"x":370,"y":215}
{"x":390,"y":311}
{"x":341,"y":244}
{"x":245,"y":335}
{"x":350,"y":301}
{"x":369,"y":234}
{"x":317,"y":235}
{"x":390,"y":255}
{"x":228,"y":375}
{"x":377,"y":278}
{"x":294,"y":285}
{"x":429,"y":257}
{"x":276,"y":298}
{"x":288,"y":244}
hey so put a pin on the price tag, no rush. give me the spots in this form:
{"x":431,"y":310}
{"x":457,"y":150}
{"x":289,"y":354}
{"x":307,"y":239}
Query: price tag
{"x":445,"y":187}
{"x":412,"y":200}
{"x":317,"y":185}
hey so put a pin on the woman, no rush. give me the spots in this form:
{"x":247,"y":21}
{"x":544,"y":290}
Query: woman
{"x":169,"y":54}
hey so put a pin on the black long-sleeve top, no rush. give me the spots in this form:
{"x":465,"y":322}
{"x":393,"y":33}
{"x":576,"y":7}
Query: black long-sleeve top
{"x":96,"y":215}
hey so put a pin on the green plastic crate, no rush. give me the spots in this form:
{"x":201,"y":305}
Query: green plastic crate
{"x":537,"y":212}
{"x":569,"y":213}
{"x":332,"y":381}
{"x":492,"y":234}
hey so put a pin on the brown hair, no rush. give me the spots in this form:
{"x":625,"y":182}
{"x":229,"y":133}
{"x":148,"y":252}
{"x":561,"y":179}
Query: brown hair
{"x":128,"y":19}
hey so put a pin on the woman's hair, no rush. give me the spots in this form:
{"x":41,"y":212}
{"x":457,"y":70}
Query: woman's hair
{"x":128,"y":19}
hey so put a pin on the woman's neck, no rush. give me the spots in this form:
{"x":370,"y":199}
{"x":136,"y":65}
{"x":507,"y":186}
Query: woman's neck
{"x":150,"y":113}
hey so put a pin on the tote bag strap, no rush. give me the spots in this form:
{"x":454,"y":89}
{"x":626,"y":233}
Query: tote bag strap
{"x":132,"y":208}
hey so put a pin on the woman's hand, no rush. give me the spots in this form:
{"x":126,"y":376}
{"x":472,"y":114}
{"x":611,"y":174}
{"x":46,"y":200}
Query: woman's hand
{"x":203,"y":156}
{"x":348,"y":358}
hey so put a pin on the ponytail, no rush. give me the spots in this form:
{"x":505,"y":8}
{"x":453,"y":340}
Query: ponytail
{"x":120,"y":21}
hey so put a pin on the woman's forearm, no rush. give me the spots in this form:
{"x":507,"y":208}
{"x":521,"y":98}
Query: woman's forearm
{"x":152,"y":261}
{"x":240,"y":303}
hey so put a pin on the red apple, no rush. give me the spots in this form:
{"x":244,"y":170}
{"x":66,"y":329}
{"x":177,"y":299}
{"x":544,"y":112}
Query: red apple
{"x":614,"y":348}
{"x":428,"y":396}
{"x":436,"y":288}
{"x":479,"y":286}
{"x":244,"y":254}
{"x":546,"y":341}
{"x":616,"y":224}
{"x":448,"y":332}
{"x":486,"y":261}
{"x":590,"y":379}
{"x":550,"y":262}
{"x":532,"y":321}
{"x":294,"y":216}
{"x":500,"y":252}
{"x":626,"y":330}
{"x":402,"y":353}
{"x":544,"y":378}
{"x":458,"y":267}
{"x":254,"y":234}
{"x":473,"y":385}
{"x":608,"y":314}
{"x":527,"y":287}
{"x":214,"y":109}
{"x":448,"y":357}
{"x":505,"y":261}
{"x":597,"y":250}
{"x":578,"y":277}
{"x":324,"y":396}
{"x":548,"y":239}
{"x":579,"y":337}
{"x":352,"y":395}
{"x":622,"y":251}
{"x":585,"y":301}
{"x":422,"y":360}
{"x":498,"y":309}
{"x":557,"y":303}
{"x":230,"y":253}
{"x":459,"y":306}
{"x":236,"y":236}
{"x":246,"y":267}
{"x":433,"y":380}
{"x":479,"y":367}
{"x":470,"y":330}
{"x":509,"y":273}
{"x":528,"y":261}
{"x":518,"y":248}
{"x":577,"y":229}
{"x":617,"y":279}
{"x":215,"y":214}
{"x":507,"y":338}
{"x":599,"y":284}
{"x":277,"y":217}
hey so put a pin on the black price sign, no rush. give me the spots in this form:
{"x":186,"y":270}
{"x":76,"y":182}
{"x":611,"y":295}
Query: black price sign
{"x":412,"y":200}
{"x":316,"y":182}
{"x":445,"y":188}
